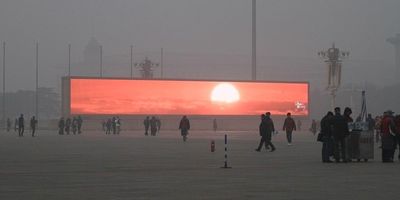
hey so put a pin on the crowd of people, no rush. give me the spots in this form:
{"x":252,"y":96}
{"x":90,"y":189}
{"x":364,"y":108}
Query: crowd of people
{"x":337,"y":140}
{"x":112,"y":125}
{"x":19,"y":125}
{"x":68,"y":125}
{"x":153,"y":123}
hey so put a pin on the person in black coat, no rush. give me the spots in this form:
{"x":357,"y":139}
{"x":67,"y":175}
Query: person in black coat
{"x":340,"y":131}
{"x":21,"y":125}
{"x":67,"y":125}
{"x":33,"y":124}
{"x":184,"y":126}
{"x":266,"y":128}
{"x":146,"y":124}
{"x":326,"y":131}
{"x":153,"y":126}
{"x":61,"y":126}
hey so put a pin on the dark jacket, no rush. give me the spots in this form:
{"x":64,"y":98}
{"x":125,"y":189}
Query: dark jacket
{"x":289,"y":124}
{"x":21,"y":121}
{"x":397,"y":123}
{"x":266,"y":128}
{"x":340,"y":128}
{"x":33,"y":123}
{"x":326,"y":126}
{"x":146,"y":122}
{"x":184,"y":124}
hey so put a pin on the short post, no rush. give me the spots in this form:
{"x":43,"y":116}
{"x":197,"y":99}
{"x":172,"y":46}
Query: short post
{"x":226,"y":153}
{"x":212,"y":146}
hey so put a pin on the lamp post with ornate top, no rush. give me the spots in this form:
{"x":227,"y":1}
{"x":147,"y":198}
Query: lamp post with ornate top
{"x":333,"y":58}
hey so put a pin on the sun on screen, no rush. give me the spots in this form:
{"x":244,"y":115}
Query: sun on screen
{"x":225,"y":93}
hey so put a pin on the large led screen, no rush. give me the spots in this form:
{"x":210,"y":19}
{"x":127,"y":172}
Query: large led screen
{"x":178,"y":97}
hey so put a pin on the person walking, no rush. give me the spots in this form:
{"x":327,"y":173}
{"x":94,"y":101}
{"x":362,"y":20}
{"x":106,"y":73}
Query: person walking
{"x":75,"y":123}
{"x":299,"y":124}
{"x":313,"y":127}
{"x":67,"y":125}
{"x":118,"y":124}
{"x":289,"y":125}
{"x":153,"y":126}
{"x":158,"y":122}
{"x":80,"y":122}
{"x":8,"y":124}
{"x":340,"y":130}
{"x":108,"y":126}
{"x":146,"y":124}
{"x":184,"y":126}
{"x":327,"y":143}
{"x":265,"y":133}
{"x":215,"y":125}
{"x":103,"y":125}
{"x":33,"y":125}
{"x":114,"y":125}
{"x":21,"y":125}
{"x":61,"y":126}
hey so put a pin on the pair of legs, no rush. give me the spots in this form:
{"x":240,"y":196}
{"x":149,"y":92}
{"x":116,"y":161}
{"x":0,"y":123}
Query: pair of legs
{"x":289,"y":136}
{"x":184,"y":134}
{"x":327,"y":146}
{"x":340,"y":149}
{"x":389,"y":144}
{"x":397,"y":143}
{"x":387,"y":155}
{"x":267,"y":142}
{"x":21,"y":131}
{"x":33,"y":132}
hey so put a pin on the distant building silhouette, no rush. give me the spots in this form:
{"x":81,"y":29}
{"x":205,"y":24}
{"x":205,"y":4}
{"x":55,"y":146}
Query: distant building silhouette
{"x":91,"y":54}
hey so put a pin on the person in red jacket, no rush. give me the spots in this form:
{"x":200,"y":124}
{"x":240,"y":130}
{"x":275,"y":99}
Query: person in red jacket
{"x":289,"y":126}
{"x":388,"y":138}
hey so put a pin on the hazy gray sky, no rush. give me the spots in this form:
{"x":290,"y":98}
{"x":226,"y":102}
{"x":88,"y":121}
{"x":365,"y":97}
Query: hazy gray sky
{"x":288,"y":29}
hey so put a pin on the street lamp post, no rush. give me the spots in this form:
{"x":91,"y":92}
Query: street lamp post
{"x":162,"y":62}
{"x":333,"y":58}
{"x":254,"y":41}
{"x":37,"y":82}
{"x":4,"y":84}
{"x":146,"y":68}
{"x":69,"y":60}
{"x":131,"y":61}
{"x":101,"y":61}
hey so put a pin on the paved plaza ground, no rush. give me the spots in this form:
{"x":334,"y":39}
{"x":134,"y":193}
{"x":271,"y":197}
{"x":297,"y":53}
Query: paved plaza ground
{"x":131,"y":166}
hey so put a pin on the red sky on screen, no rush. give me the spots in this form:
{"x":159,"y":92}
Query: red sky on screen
{"x":161,"y":97}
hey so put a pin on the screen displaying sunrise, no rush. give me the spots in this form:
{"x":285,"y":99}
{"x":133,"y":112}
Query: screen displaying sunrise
{"x":178,"y":97}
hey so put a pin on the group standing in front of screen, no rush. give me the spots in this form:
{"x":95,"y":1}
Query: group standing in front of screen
{"x":337,"y":141}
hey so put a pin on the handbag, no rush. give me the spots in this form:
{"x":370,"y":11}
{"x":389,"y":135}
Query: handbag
{"x":320,"y":137}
